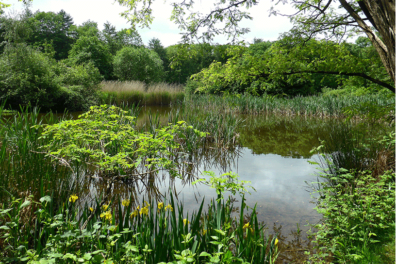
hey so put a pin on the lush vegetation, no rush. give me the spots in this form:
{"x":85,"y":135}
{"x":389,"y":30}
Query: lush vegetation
{"x":58,"y":175}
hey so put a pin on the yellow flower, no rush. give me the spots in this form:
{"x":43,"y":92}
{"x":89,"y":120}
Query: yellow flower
{"x":160,"y":205}
{"x":105,"y":206}
{"x":126,"y":203}
{"x":185,"y":221}
{"x":134,"y":213}
{"x":203,"y":232}
{"x":91,"y":209}
{"x":147,"y":204}
{"x":276,"y":242}
{"x":246,"y":225}
{"x":169,"y":207}
{"x":73,"y":198}
{"x":108,"y":215}
{"x":144,"y":210}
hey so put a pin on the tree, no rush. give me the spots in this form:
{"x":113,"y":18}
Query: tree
{"x":138,"y":64}
{"x":333,"y":18}
{"x":91,"y":49}
{"x":51,"y":28}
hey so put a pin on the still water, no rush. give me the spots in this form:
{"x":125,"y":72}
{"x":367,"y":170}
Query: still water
{"x":273,"y":155}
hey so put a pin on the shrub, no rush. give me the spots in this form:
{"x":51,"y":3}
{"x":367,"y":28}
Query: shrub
{"x":138,"y":64}
{"x":79,"y":86}
{"x":27,"y":77}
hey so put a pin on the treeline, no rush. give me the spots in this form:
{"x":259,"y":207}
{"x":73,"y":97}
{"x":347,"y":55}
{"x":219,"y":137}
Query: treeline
{"x":47,"y":60}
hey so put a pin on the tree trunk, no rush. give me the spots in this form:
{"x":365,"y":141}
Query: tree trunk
{"x":381,"y":13}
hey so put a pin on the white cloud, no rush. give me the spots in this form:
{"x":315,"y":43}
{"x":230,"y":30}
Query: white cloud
{"x":100,"y":11}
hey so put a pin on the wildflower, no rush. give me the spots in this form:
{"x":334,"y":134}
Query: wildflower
{"x":106,"y":215}
{"x":185,"y":221}
{"x":276,"y":242}
{"x":147,"y":204}
{"x":91,"y":209}
{"x":134,"y":213}
{"x":203,"y":232}
{"x":73,"y":198}
{"x":126,"y":202}
{"x":169,"y":207}
{"x":144,"y":210}
{"x":160,"y":205}
{"x":105,"y":206}
{"x":246,"y":225}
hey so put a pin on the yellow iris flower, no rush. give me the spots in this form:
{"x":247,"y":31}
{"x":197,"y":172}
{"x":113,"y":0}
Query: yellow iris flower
{"x":144,"y":210}
{"x":160,"y":205}
{"x":246,"y":225}
{"x":169,"y":207}
{"x":73,"y":198}
{"x":185,"y":221}
{"x":134,"y":213}
{"x":126,"y":202}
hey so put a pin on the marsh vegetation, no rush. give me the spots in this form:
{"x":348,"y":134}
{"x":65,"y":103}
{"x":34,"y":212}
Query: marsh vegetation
{"x":116,"y":152}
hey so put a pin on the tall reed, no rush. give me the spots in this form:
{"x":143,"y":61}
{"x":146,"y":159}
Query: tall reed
{"x":321,"y":106}
{"x":135,"y":92}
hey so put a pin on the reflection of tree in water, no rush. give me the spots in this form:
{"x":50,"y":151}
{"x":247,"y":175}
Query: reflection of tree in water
{"x":286,"y":136}
{"x":148,"y":184}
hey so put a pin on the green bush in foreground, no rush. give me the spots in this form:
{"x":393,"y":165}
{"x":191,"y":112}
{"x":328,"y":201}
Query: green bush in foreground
{"x":358,"y":209}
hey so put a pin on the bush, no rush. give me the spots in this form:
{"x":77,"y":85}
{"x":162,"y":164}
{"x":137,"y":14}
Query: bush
{"x":79,"y":86}
{"x":27,"y":77}
{"x":138,"y":64}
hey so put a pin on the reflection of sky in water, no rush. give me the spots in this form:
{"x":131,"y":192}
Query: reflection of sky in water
{"x":281,"y":192}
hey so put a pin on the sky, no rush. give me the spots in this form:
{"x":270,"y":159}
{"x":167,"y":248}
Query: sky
{"x":262,"y":26}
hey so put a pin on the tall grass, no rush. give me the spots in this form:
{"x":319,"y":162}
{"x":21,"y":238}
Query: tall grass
{"x":321,"y":106}
{"x":24,"y":170}
{"x":151,"y":233}
{"x":135,"y":92}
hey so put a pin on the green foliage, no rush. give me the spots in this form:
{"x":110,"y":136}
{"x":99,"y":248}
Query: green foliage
{"x":79,"y":88}
{"x":106,"y":138}
{"x":358,"y":214}
{"x":190,"y":59}
{"x":149,"y":233}
{"x":51,"y":28}
{"x":227,"y":182}
{"x":90,"y":49}
{"x":27,"y":77}
{"x":138,"y":64}
{"x":303,"y":106}
{"x":356,"y":199}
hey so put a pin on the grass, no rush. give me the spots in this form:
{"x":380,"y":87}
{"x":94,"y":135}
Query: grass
{"x":135,"y":92}
{"x":320,"y":106}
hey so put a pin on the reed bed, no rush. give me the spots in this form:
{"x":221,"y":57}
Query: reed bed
{"x":135,"y":92}
{"x":320,"y":106}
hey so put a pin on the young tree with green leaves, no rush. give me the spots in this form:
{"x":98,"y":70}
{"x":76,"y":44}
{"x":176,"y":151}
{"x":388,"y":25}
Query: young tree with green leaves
{"x":138,"y":64}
